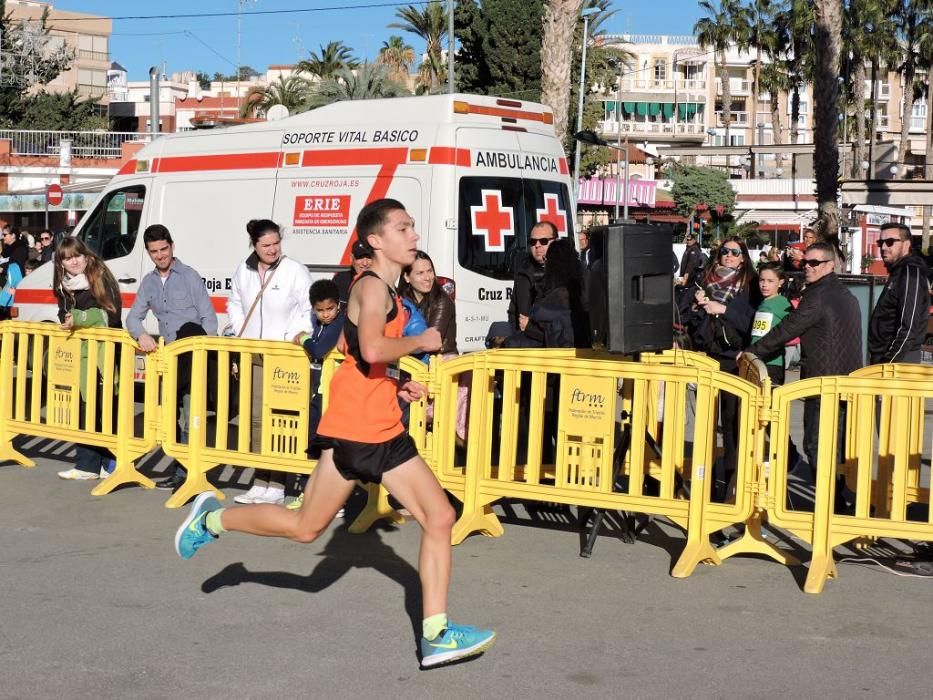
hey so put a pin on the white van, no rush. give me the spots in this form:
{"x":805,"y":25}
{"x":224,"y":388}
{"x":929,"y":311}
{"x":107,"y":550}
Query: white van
{"x":475,"y":172}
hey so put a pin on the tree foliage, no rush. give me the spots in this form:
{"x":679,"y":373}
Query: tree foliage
{"x":369,"y":81}
{"x":292,"y":92}
{"x":246,"y":73}
{"x":694,"y":186}
{"x":429,"y":23}
{"x":27,"y":60}
{"x":500,"y":47}
{"x":63,"y":111}
{"x":331,"y":59}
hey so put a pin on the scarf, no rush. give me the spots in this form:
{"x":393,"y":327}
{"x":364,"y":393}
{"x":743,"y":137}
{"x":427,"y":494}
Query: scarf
{"x":722,"y":284}
{"x":75,"y":283}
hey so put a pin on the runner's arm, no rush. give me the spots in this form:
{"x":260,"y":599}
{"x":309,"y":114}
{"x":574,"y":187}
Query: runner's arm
{"x":369,"y":298}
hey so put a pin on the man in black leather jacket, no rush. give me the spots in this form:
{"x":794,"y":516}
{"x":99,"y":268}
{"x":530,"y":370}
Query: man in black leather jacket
{"x":829,"y":325}
{"x":898,"y":323}
{"x":529,"y":274}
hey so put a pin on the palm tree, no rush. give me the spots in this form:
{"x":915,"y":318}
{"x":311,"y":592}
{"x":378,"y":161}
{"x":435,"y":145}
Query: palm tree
{"x":925,"y":52}
{"x":560,"y":21}
{"x":855,"y":46}
{"x":718,"y":30}
{"x":798,"y":22}
{"x":291,"y":92}
{"x":913,"y":19}
{"x":828,"y":36}
{"x":369,"y":81}
{"x":882,"y":43}
{"x":333,"y":57}
{"x":396,"y":56}
{"x":761,"y":36}
{"x":430,"y":24}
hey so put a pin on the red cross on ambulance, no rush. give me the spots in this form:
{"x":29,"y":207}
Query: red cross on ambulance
{"x":553,"y":213}
{"x":492,"y":220}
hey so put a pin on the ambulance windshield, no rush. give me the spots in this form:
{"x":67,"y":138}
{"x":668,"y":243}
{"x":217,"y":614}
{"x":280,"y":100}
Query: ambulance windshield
{"x":110,"y":230}
{"x":495,"y":215}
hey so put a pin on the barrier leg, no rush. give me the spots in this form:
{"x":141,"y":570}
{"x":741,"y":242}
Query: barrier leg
{"x":8,"y":453}
{"x":377,"y":508}
{"x":752,"y":542}
{"x":698,"y":548}
{"x":480,"y":519}
{"x":124,"y":473}
{"x":195,"y":483}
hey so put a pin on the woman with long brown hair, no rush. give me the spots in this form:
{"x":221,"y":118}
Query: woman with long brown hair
{"x":721,"y":325}
{"x":88,"y":297}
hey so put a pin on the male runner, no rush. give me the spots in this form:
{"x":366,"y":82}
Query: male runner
{"x":362,"y":437}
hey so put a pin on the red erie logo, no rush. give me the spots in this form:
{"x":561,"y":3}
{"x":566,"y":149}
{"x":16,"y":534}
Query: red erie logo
{"x":322,"y":210}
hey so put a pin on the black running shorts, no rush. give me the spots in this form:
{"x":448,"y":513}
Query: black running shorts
{"x":367,"y":461}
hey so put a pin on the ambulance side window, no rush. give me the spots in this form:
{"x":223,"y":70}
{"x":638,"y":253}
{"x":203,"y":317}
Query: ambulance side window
{"x":491,"y":225}
{"x":112,"y":228}
{"x":548,"y":201}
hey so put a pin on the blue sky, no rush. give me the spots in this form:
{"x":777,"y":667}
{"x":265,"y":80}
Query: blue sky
{"x":211,"y":43}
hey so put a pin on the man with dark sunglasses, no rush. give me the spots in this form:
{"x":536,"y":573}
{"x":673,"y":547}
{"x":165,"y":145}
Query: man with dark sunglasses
{"x":529,"y":274}
{"x":829,"y":325}
{"x":898,"y":323}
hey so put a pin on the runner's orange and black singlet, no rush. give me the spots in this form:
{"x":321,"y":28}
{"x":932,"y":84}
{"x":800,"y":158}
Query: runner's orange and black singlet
{"x":363,"y":405}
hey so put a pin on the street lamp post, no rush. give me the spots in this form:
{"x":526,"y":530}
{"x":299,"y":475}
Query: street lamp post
{"x":590,"y":137}
{"x":576,"y":156}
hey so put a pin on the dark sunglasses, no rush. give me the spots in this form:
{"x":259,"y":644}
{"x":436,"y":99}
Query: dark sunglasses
{"x":889,"y":241}
{"x":734,"y":252}
{"x":45,"y":238}
{"x":810,"y":262}
{"x":539,"y":241}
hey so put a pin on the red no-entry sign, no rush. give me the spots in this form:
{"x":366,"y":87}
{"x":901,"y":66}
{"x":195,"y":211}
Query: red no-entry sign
{"x":54,"y":195}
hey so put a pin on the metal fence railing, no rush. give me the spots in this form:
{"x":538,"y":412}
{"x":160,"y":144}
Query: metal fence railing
{"x":84,"y":144}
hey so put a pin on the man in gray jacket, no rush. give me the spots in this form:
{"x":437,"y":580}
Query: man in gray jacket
{"x":177,"y":297}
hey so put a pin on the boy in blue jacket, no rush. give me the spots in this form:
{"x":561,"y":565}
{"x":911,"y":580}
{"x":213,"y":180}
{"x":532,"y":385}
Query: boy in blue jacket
{"x":326,"y":326}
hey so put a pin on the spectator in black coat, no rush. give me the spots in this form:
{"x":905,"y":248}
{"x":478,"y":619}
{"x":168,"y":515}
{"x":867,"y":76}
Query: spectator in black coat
{"x":529,"y":274}
{"x":829,"y":325}
{"x":898,"y":323}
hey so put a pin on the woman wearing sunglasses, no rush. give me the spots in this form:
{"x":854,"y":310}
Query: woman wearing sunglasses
{"x":721,"y":325}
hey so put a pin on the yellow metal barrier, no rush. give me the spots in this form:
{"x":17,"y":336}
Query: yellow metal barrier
{"x":872,"y":400}
{"x":520,"y":398}
{"x":76,"y":387}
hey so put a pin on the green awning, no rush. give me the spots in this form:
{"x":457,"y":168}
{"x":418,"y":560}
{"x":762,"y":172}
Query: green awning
{"x":654,"y":109}
{"x":685,"y":110}
{"x":628,"y":108}
{"x":641,"y":109}
{"x":610,"y":106}
{"x":668,"y":108}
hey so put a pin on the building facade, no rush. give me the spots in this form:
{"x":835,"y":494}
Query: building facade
{"x":88,"y":36}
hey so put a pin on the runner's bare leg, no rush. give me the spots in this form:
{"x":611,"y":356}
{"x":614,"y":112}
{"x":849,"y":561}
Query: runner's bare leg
{"x":414,"y":485}
{"x":325,"y":494}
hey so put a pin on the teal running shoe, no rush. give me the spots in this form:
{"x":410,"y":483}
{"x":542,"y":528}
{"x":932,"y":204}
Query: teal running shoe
{"x":193,"y":533}
{"x":454,"y":643}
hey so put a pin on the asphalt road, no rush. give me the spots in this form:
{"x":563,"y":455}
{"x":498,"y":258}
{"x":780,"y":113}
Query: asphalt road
{"x":95,"y":604}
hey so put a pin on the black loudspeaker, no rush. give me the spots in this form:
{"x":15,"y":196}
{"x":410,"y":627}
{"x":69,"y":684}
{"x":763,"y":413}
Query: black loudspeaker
{"x":639,"y":287}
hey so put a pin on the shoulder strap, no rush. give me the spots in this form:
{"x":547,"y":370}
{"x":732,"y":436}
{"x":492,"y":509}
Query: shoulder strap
{"x":262,"y":289}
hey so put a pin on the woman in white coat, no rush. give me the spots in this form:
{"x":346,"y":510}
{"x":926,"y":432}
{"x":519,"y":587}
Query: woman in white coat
{"x":268,"y":300}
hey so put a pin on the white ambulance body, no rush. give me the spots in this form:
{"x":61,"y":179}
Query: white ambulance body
{"x":475,"y":173}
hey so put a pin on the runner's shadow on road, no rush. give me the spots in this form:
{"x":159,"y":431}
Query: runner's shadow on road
{"x":341,"y":554}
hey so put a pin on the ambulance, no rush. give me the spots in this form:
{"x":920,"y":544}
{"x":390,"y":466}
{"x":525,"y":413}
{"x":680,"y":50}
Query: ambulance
{"x":475,"y":172}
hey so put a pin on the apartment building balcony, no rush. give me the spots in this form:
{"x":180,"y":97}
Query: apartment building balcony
{"x":640,"y":84}
{"x":735,"y":119}
{"x":737,"y":87}
{"x":100,"y":56}
{"x":652,"y":130}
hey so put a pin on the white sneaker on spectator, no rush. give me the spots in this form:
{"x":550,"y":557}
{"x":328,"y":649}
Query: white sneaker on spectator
{"x":251,"y":496}
{"x":273,"y":494}
{"x":75,"y":474}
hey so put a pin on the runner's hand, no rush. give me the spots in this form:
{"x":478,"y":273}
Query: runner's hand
{"x":412,"y":391}
{"x":430,"y":340}
{"x":68,"y":323}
